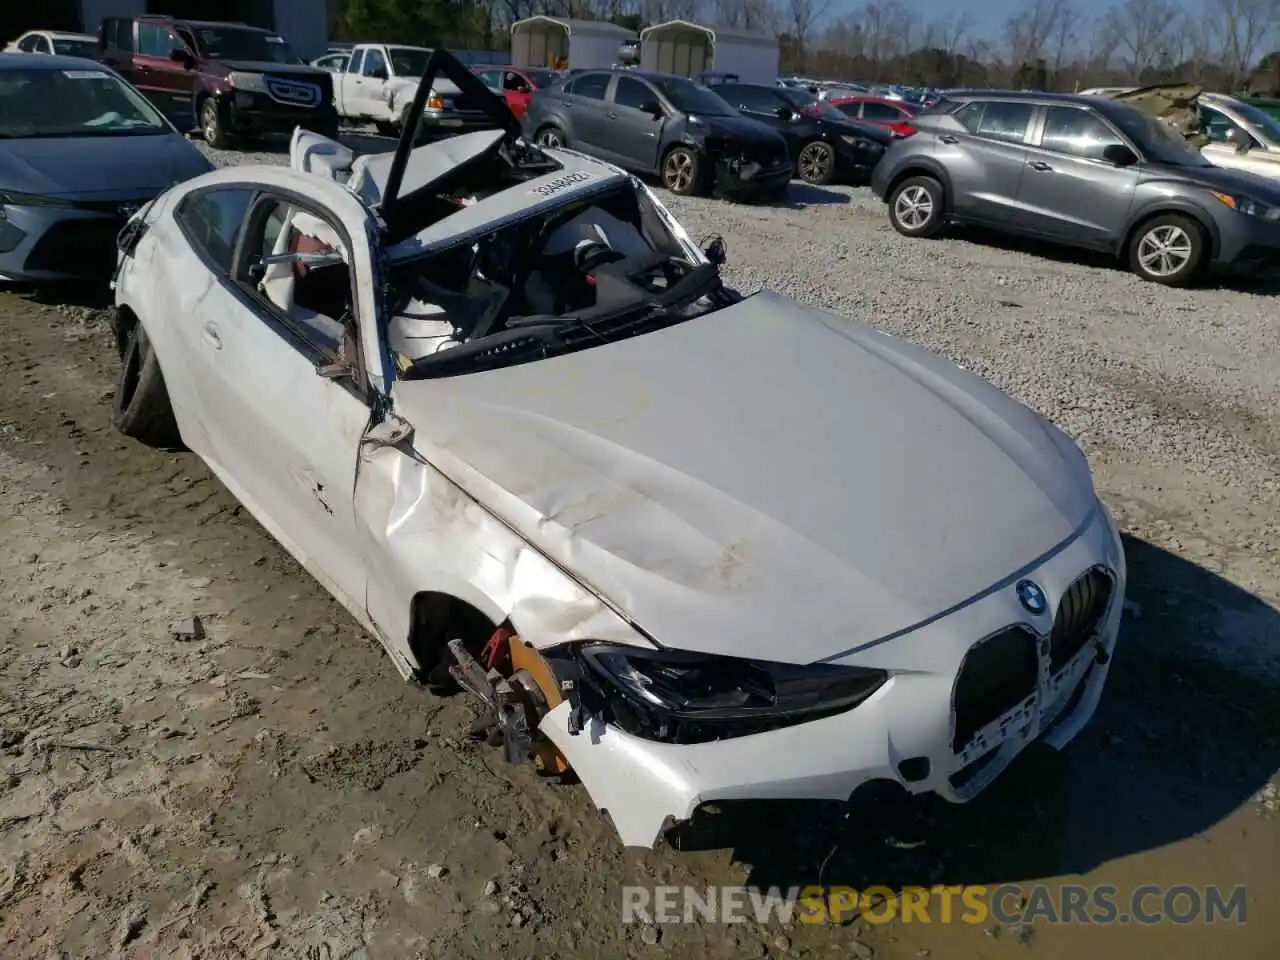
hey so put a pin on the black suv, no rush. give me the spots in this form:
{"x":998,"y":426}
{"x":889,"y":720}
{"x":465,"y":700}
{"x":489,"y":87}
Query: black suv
{"x":661,"y":124}
{"x":236,"y":80}
{"x":826,"y":144}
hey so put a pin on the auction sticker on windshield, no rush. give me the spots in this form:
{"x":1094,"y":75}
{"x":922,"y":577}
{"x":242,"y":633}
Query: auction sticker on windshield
{"x":552,"y":187}
{"x":84,"y":74}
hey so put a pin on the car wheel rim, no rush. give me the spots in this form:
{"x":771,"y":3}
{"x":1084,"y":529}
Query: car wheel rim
{"x":210,"y":123}
{"x":551,"y":139}
{"x":679,"y":171}
{"x":913,"y":208}
{"x":1165,"y":251}
{"x":813,"y":163}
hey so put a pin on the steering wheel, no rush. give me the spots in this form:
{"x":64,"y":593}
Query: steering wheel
{"x":594,"y":253}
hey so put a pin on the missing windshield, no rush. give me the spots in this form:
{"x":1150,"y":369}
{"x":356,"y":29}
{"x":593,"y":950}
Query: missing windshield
{"x":596,"y":270}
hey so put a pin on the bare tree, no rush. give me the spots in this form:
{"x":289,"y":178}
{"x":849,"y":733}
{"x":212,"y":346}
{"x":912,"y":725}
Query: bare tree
{"x":1141,"y":29}
{"x":754,"y":16}
{"x":1242,"y":26}
{"x":953,"y":29}
{"x":1028,"y":32}
{"x":801,"y":17}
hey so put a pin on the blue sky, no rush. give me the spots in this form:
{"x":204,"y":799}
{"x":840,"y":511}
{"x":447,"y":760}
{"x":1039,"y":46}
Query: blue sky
{"x":990,"y":15}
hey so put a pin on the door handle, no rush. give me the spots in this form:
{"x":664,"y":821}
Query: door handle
{"x":613,"y":116}
{"x":1039,"y":165}
{"x":947,"y":138}
{"x":212,"y":336}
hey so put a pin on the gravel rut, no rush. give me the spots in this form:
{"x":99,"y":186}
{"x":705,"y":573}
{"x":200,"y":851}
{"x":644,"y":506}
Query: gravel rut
{"x":272,"y":788}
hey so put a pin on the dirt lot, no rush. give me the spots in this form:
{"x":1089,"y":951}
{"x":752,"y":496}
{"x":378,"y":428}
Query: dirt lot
{"x":273,"y":789}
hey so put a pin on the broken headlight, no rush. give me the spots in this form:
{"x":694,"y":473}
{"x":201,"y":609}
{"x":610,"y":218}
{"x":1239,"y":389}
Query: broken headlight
{"x":692,"y":698}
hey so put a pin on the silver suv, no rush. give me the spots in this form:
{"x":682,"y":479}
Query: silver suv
{"x":1082,"y":171}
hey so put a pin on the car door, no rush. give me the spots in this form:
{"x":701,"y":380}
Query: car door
{"x":985,"y":165}
{"x":166,"y":83}
{"x":636,"y":119}
{"x":587,"y":111}
{"x":371,"y":84}
{"x":284,"y":431}
{"x":1069,"y":192}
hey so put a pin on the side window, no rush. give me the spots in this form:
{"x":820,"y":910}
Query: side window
{"x":1006,"y":121}
{"x":1076,"y":132}
{"x":375,"y":64}
{"x":755,"y":100}
{"x":212,"y":221}
{"x":152,"y":40}
{"x":970,"y":115}
{"x":490,"y":78}
{"x":851,"y":110}
{"x":43,"y":45}
{"x":313,"y":299}
{"x":355,"y":63}
{"x":27,"y":44}
{"x":590,"y":85}
{"x":119,"y":34}
{"x":1217,"y":124}
{"x":882,"y":112}
{"x":630,"y":92}
{"x":513,"y":81}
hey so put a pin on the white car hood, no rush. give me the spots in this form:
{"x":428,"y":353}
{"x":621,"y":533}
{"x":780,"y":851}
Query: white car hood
{"x":767,"y":481}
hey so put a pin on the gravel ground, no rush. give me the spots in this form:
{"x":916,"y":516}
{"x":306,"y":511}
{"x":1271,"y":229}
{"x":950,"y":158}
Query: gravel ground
{"x":273,"y":789}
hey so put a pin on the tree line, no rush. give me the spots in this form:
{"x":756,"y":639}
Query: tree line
{"x":1225,"y":45}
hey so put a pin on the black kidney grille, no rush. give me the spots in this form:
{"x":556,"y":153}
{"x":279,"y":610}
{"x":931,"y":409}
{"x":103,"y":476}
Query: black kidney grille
{"x":998,"y":673}
{"x":1079,"y":615}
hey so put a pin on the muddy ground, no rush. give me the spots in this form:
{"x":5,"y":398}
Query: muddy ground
{"x":274,"y":790}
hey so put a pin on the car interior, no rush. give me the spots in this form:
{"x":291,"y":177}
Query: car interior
{"x":314,"y":297}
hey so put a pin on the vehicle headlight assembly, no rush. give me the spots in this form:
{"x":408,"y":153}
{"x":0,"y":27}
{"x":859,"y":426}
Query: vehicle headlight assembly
{"x":248,"y":82}
{"x":437,"y":102}
{"x":680,"y":697}
{"x":1251,"y":208}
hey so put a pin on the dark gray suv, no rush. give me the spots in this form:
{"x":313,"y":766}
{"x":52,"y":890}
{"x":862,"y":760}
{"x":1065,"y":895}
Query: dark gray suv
{"x":1082,"y":171}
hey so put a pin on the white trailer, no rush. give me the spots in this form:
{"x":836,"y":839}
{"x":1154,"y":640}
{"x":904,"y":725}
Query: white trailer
{"x":560,"y":43}
{"x":690,"y":49}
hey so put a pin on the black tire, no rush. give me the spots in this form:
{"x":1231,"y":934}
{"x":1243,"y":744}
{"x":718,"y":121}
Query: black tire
{"x":386,"y":129}
{"x":551,"y":137}
{"x":1168,"y":249}
{"x":329,"y":129}
{"x":681,"y":171}
{"x":816,"y":163}
{"x":213,"y":125}
{"x":140,"y":407}
{"x":916,"y":207}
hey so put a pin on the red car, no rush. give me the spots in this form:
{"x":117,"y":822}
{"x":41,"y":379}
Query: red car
{"x":893,"y":115}
{"x":517,"y":83}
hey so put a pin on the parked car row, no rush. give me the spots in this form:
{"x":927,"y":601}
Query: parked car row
{"x":1090,"y":172}
{"x":497,"y":402}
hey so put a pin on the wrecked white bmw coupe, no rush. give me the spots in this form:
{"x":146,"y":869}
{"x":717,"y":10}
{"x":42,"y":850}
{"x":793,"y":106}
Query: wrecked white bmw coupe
{"x":691,"y":545}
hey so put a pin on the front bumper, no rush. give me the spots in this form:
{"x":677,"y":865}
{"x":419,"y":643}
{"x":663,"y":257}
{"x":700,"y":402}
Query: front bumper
{"x":643,"y":784}
{"x":250,"y":114}
{"x":1247,"y":246}
{"x":749,"y":179}
{"x":40,"y":244}
{"x":447,"y":123}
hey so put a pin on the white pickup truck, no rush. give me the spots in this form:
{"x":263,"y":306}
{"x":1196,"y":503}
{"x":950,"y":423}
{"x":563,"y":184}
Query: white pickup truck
{"x":378,"y":86}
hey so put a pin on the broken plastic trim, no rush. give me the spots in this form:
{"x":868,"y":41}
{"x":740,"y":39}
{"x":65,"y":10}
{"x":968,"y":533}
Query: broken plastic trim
{"x":441,"y":62}
{"x":678,"y":697}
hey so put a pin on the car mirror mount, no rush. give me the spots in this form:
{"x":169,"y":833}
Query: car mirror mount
{"x":182,"y":56}
{"x":716,"y":251}
{"x":654,"y":109}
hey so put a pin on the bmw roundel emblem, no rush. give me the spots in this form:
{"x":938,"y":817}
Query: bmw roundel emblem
{"x":1031,"y":597}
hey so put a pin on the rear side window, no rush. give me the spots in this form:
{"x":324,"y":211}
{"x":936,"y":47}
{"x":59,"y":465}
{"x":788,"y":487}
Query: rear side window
{"x":1005,"y":121}
{"x":354,"y":64}
{"x":590,"y":85}
{"x":882,"y":112}
{"x":212,"y":220}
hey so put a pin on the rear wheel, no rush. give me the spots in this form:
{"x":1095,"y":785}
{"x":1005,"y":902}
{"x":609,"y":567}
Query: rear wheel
{"x":816,"y":163}
{"x":680,"y":171}
{"x":1168,"y":249}
{"x":140,"y":407}
{"x":916,"y":207}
